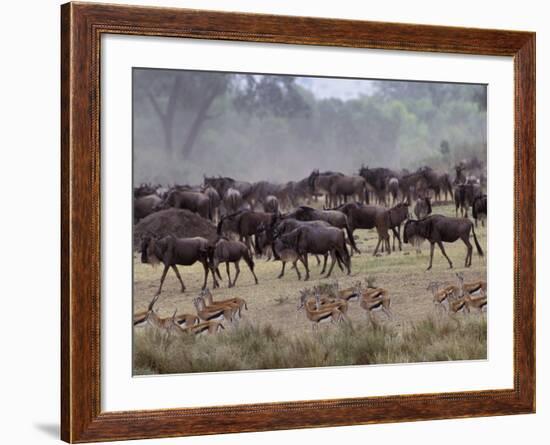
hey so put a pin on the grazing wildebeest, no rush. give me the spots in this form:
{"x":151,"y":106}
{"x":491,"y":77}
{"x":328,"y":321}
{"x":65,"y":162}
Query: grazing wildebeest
{"x":194,"y":201}
{"x":232,"y":200}
{"x":442,"y":229}
{"x":479,"y":209}
{"x":464,"y":197}
{"x":172,"y":251}
{"x":226,"y":251}
{"x":271,"y":204}
{"x":318,"y":240}
{"x":145,"y":205}
{"x":144,"y":190}
{"x":334,"y":217}
{"x":422,"y":207}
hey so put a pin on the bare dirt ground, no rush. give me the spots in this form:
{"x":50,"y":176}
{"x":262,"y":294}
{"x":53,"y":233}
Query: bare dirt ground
{"x":274,"y":301}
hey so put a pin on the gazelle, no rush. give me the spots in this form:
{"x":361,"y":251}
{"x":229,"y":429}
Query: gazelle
{"x":374,"y":298}
{"x":321,"y":314}
{"x":348,"y":294}
{"x":240,"y":303}
{"x":440,"y":296}
{"x":186,"y":320}
{"x":151,"y":317}
{"x":216,"y":313}
{"x":473,"y":286}
{"x":207,"y":327}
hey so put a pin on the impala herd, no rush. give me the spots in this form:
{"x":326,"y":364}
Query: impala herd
{"x":322,"y":304}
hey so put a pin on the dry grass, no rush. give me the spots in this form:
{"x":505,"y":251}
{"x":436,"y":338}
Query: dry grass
{"x":264,"y":347}
{"x":272,"y":303}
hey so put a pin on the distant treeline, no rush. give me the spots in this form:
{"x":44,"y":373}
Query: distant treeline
{"x":187,"y":124}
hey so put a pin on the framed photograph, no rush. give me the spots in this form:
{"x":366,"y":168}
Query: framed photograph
{"x":274,"y":222}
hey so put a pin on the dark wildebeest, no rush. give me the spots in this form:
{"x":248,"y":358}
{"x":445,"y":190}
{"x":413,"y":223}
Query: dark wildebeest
{"x":248,"y":223}
{"x":144,"y":190}
{"x":226,"y":251}
{"x":172,"y":251}
{"x":460,"y":177}
{"x":442,"y":229}
{"x":222,"y":184}
{"x":321,"y":183}
{"x":215,"y":201}
{"x":334,"y":217}
{"x":479,"y":209}
{"x":196,"y":202}
{"x":422,"y":207}
{"x":286,"y":254}
{"x":377,"y":179}
{"x":145,"y":205}
{"x":232,"y":200}
{"x":271,"y":204}
{"x":464,"y":197}
{"x":318,"y":240}
{"x":287,"y":225}
{"x":370,"y":217}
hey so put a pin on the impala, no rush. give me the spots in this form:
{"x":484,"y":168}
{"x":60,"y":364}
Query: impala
{"x":216,"y":313}
{"x":473,"y":286}
{"x":321,"y":314}
{"x":238,"y":302}
{"x":374,"y":298}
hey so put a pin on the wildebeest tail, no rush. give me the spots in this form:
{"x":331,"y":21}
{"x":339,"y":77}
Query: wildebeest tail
{"x":479,"y":249}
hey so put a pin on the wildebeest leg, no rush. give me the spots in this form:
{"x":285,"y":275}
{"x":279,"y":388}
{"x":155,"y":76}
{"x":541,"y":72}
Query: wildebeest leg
{"x":396,"y":235}
{"x":164,"y":272}
{"x":432,"y":246}
{"x":377,"y":246}
{"x":304,"y":261}
{"x":250,"y":265}
{"x":238,"y":271}
{"x":228,"y":274}
{"x":206,"y":270}
{"x":282,"y":270}
{"x":324,"y":264}
{"x":468,"y":260}
{"x":179,"y":277}
{"x":333,"y":262}
{"x":318,"y":260}
{"x":440,"y":244}
{"x":295,"y":266}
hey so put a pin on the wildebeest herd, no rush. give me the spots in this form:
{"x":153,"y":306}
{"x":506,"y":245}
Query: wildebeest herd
{"x":314,"y":216}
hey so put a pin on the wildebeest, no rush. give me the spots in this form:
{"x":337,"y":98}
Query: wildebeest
{"x":222,"y":184}
{"x":194,"y":201}
{"x":479,"y":209}
{"x":248,"y":223}
{"x":442,"y":229}
{"x":172,"y":251}
{"x":318,"y":240}
{"x":271,"y":204}
{"x":215,"y":201}
{"x":320,"y":182}
{"x":377,"y":178}
{"x":226,"y":251}
{"x":422,"y":207}
{"x":145,"y":205}
{"x":393,"y":188}
{"x":232,"y":200}
{"x":381,"y":218}
{"x":286,"y":254}
{"x":464,"y":196}
{"x":334,"y":217}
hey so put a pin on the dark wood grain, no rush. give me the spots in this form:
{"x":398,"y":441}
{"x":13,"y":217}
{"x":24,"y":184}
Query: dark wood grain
{"x":81,"y":28}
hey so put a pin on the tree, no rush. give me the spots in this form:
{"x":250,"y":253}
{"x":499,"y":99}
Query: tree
{"x":183,"y":100}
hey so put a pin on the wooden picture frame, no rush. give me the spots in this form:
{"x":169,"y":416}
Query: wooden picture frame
{"x":82,"y":26}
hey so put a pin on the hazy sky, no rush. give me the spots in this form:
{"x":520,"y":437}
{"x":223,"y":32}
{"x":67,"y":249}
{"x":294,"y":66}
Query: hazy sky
{"x":338,"y":88}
